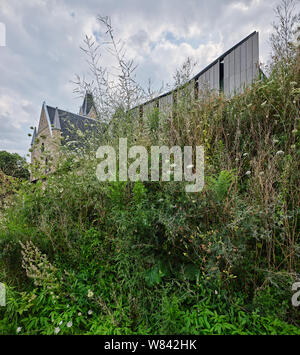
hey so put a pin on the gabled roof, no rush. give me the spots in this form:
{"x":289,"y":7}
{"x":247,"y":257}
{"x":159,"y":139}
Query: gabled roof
{"x":88,"y":104}
{"x":56,"y":121}
{"x":47,"y":117}
{"x":71,"y":125}
{"x":33,"y":136}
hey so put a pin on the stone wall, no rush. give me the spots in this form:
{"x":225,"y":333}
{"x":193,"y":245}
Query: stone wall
{"x":45,"y":150}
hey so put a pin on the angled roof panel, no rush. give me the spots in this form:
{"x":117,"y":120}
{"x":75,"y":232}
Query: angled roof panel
{"x":202,"y":73}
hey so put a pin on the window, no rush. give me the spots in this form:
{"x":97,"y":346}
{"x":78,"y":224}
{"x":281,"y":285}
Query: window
{"x":196,"y":89}
{"x":221,"y":75}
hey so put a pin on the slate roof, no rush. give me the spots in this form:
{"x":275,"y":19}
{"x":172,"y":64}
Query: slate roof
{"x":87,"y":105}
{"x":33,"y":136}
{"x":71,"y":125}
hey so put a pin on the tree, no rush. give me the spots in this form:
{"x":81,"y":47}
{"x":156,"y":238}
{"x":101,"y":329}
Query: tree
{"x":12,"y":164}
{"x":114,"y":88}
{"x":285,"y":31}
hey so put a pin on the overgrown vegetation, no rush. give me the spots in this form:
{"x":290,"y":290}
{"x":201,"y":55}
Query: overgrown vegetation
{"x":83,"y":257}
{"x":12,"y":164}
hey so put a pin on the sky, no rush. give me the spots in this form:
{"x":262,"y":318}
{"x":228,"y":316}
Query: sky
{"x":43,"y":39}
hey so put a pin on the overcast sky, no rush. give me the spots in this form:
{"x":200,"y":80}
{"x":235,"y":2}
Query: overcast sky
{"x":43,"y":37}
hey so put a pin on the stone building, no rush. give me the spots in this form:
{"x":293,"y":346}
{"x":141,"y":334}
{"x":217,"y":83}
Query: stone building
{"x":58,"y":128}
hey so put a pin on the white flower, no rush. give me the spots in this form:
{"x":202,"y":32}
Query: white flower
{"x":79,"y":314}
{"x":56,"y":330}
{"x":90,"y":294}
{"x":60,"y":323}
{"x":90,"y":312}
{"x":216,"y":292}
{"x":275,"y":140}
{"x":248,"y":172}
{"x":245,"y":154}
{"x":19,"y":329}
{"x":280,"y":152}
{"x":69,"y":324}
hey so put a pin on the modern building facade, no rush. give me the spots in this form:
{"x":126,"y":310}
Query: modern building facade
{"x":230,"y":73}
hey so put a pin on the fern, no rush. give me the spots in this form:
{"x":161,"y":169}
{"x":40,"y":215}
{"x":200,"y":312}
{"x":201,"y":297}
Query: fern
{"x":220,"y":185}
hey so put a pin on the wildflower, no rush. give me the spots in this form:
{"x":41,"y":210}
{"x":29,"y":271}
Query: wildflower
{"x":19,"y":329}
{"x":248,"y":172}
{"x":60,"y":323}
{"x":245,"y":154}
{"x":90,"y":294}
{"x":216,"y":292}
{"x":90,"y":312}
{"x":69,"y":324}
{"x":280,"y":152}
{"x":56,"y":330}
{"x":79,"y":314}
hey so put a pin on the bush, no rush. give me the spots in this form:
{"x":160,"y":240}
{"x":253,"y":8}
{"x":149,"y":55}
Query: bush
{"x":83,"y":257}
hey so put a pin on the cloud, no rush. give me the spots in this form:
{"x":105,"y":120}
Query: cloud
{"x":43,"y":38}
